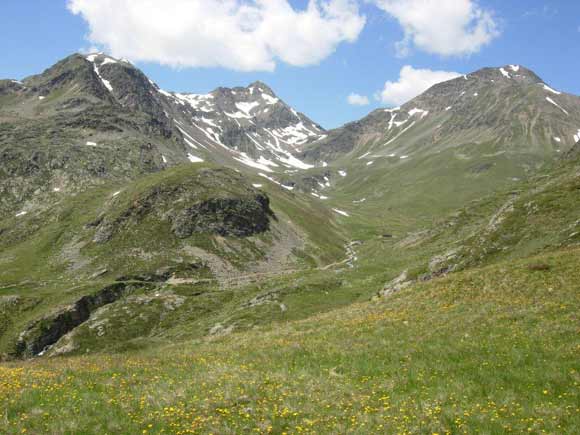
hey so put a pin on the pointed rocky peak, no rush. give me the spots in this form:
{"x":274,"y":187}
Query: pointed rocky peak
{"x":257,"y":96}
{"x":102,"y":59}
{"x":261,"y":88}
{"x":516,"y":73}
{"x":71,"y":76}
{"x":127,"y":84}
{"x":474,"y":90}
{"x":251,"y":123}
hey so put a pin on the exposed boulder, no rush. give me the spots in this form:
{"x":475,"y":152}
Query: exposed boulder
{"x":399,"y":283}
{"x":210,"y":201}
{"x":442,"y":264}
{"x":46,"y":331}
{"x":239,"y":217}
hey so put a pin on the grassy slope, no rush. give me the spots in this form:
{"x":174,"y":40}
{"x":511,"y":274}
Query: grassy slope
{"x":401,"y":195}
{"x":493,"y":350}
{"x":308,"y":292}
{"x":490,"y":350}
{"x":36,"y":270}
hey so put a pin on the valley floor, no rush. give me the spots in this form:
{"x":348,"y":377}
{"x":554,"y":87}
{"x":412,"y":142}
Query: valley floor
{"x":491,"y":350}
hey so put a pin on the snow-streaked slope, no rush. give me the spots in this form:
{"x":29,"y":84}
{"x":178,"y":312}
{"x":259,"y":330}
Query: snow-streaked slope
{"x":250,"y":128}
{"x":510,"y":106}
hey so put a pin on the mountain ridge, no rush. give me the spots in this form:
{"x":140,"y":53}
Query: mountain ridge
{"x":118,"y":195}
{"x":452,"y":96}
{"x":89,"y":105}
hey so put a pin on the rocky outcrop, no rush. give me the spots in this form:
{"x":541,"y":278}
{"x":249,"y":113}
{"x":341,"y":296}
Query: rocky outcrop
{"x":399,"y":283}
{"x":444,"y":263}
{"x":192,"y":203}
{"x":574,"y":152}
{"x":48,"y":330}
{"x":239,"y":217}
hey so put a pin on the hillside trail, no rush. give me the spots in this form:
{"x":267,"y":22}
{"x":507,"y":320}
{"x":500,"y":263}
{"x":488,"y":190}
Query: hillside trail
{"x":236,"y":281}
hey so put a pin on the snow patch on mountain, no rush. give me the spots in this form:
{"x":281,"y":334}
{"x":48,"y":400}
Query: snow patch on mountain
{"x":201,"y":102}
{"x":505,"y":73}
{"x":93,"y":59}
{"x":340,"y":212}
{"x":267,"y":177}
{"x":401,"y":133}
{"x":549,"y":89}
{"x":108,"y":60}
{"x":269,"y":99}
{"x":289,"y":159}
{"x":248,"y":161}
{"x":415,"y":111}
{"x":557,"y":105}
{"x":238,"y":115}
{"x":194,"y":159}
{"x":297,"y":134}
{"x":189,"y":139}
{"x":246,"y":108}
{"x":106,"y":83}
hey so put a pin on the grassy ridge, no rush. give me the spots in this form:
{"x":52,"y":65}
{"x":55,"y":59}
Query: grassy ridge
{"x":494,"y":350}
{"x":48,"y":259}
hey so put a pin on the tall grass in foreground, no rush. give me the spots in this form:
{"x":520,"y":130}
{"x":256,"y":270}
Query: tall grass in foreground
{"x":489,"y":351}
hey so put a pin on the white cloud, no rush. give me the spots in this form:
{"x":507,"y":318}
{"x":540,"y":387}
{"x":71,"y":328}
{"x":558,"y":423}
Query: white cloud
{"x":236,"y":34}
{"x":357,"y":100}
{"x":411,"y":83}
{"x":445,"y":27}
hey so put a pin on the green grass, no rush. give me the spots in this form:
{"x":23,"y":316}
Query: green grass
{"x":32,"y":269}
{"x":490,"y":351}
{"x":34,"y":265}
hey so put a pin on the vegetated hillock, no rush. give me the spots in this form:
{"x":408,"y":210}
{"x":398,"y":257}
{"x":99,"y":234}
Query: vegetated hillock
{"x":198,"y":226}
{"x":541,"y":215}
{"x":214,"y":201}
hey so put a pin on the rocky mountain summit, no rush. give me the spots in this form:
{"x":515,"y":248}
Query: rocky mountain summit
{"x":506,"y":109}
{"x":93,"y":118}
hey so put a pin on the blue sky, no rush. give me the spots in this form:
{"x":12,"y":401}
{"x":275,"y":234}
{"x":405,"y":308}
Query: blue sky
{"x":315,"y":77}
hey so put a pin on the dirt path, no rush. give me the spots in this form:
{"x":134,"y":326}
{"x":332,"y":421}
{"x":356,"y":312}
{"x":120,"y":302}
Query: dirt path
{"x":239,"y":280}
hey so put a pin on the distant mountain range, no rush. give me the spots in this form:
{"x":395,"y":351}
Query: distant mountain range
{"x":509,"y":107}
{"x":113,"y":188}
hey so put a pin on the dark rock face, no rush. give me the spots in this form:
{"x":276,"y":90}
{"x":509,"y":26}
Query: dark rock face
{"x":239,"y":217}
{"x":71,"y":71}
{"x":574,"y":152}
{"x":310,"y":182}
{"x":206,"y":201}
{"x":50,"y":329}
{"x":482,"y":167}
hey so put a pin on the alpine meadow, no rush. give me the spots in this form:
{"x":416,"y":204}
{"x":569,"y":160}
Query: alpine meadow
{"x":219,"y":262}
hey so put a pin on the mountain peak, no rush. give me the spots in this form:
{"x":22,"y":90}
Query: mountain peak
{"x":493,"y":105}
{"x":518,"y":73}
{"x":261,"y":87}
{"x":103,"y":59}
